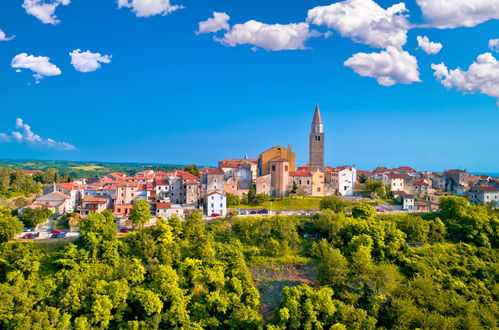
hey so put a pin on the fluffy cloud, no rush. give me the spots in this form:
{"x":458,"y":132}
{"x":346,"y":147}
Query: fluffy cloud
{"x":481,"y":77}
{"x":3,"y":36}
{"x":449,"y":14}
{"x":44,"y":10}
{"x":215,"y":24}
{"x":88,"y":61}
{"x":364,"y":21}
{"x":494,"y":45}
{"x":270,"y":37}
{"x":428,"y":46}
{"x":147,"y":8}
{"x":25,"y":134}
{"x":40,"y":65}
{"x":387,"y":67}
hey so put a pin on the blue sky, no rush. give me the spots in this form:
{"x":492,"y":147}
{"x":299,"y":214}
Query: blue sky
{"x":169,"y":95}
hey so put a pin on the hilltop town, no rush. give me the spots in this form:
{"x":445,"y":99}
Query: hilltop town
{"x":273,"y":174}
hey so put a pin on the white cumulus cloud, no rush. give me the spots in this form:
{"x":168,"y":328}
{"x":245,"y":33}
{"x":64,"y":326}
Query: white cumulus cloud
{"x":481,"y":77}
{"x":269,"y":36}
{"x":218,"y":22}
{"x":44,"y":10}
{"x":88,"y":61}
{"x":40,"y":65}
{"x":449,"y":14}
{"x":364,"y":21}
{"x":389,"y":67}
{"x":428,"y":46}
{"x":3,"y":36}
{"x":494,"y":45}
{"x":26,"y":135}
{"x":147,"y":8}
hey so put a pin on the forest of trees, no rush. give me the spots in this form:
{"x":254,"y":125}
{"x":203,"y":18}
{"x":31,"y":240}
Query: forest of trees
{"x":14,"y":182}
{"x":192,"y":275}
{"x":84,"y":169}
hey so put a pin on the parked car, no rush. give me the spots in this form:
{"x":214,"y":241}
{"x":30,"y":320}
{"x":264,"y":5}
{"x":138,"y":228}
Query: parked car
{"x":124,"y":230}
{"x":380,"y":210}
{"x":264,"y":211}
{"x":58,"y":235}
{"x":27,"y":236}
{"x":215,"y":215}
{"x":56,"y":231}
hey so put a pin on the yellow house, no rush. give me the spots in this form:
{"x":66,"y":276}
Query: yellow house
{"x":275,"y":152}
{"x":318,"y":184}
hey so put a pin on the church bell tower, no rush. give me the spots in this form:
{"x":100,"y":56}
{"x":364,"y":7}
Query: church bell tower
{"x":316,"y":156}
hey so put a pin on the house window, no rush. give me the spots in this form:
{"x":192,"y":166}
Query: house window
{"x":318,"y":189}
{"x":317,"y":138}
{"x":308,"y":181}
{"x":212,"y":205}
{"x":221,"y":205}
{"x":273,"y":168}
{"x":286,"y":168}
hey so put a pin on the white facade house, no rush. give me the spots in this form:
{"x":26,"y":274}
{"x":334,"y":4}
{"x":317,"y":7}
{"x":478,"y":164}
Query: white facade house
{"x":395,"y":180}
{"x":486,"y":195}
{"x":408,"y":203}
{"x":216,"y":203}
{"x":347,"y":176}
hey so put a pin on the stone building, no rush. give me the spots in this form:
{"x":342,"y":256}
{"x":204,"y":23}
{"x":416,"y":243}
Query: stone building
{"x":316,"y":140}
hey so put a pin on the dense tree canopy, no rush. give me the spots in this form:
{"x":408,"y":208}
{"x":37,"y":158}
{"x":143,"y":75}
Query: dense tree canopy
{"x":141,"y":213}
{"x":192,"y":275}
{"x":9,"y":225}
{"x":33,"y":217}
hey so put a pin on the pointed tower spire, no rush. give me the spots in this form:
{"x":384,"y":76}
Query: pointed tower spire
{"x":317,"y":116}
{"x":317,"y":121}
{"x":316,"y":157}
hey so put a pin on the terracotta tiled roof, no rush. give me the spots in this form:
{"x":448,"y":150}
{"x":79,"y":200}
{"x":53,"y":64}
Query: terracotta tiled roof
{"x":95,"y":199}
{"x":60,"y":195}
{"x":191,"y":182}
{"x":68,"y":186}
{"x":419,"y":182}
{"x":488,"y":188}
{"x":163,"y":205}
{"x":300,"y":173}
{"x":208,"y":170}
{"x":216,"y":192}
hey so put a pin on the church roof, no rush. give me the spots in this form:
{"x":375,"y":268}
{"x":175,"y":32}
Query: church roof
{"x":317,"y":116}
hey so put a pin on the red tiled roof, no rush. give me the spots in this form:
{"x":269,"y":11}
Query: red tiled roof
{"x":95,"y":199}
{"x":300,"y":173}
{"x":163,"y":205}
{"x":31,"y":171}
{"x":216,"y":192}
{"x":162,"y":182}
{"x":61,"y":195}
{"x":68,"y":186}
{"x":488,"y":188}
{"x":191,"y":182}
{"x":419,"y":182}
{"x":208,"y":170}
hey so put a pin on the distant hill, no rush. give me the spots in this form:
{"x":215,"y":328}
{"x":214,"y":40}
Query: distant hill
{"x":79,"y":169}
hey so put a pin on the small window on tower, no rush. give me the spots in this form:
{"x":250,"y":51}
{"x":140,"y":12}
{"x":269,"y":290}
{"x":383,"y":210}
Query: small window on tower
{"x":317,"y":138}
{"x":273,"y":168}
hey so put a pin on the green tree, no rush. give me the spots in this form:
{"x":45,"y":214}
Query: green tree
{"x":9,"y":225}
{"x":251,"y":194}
{"x":193,"y":169}
{"x":232,"y":200}
{"x":376,"y":187}
{"x":294,"y":188}
{"x":363,"y":211}
{"x":34,"y":217}
{"x":141,"y":213}
{"x":260,"y":199}
{"x":334,"y":203}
